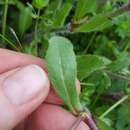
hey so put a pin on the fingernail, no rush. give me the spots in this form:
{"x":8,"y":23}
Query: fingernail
{"x":25,"y":84}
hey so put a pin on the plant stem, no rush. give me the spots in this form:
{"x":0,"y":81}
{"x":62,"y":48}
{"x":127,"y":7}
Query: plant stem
{"x":79,"y":119}
{"x":127,"y":46}
{"x":87,"y":84}
{"x":124,"y":9}
{"x":87,"y":118}
{"x":90,"y":43}
{"x":16,"y":37}
{"x":96,"y":98}
{"x":5,"y":18}
{"x":10,"y":43}
{"x":36,"y":31}
{"x":114,"y":106}
{"x":118,"y":75}
{"x":91,"y":123}
{"x":36,"y":25}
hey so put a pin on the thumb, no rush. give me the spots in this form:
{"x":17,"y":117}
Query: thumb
{"x":21,"y":92}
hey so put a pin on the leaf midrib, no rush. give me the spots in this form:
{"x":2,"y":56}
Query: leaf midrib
{"x":64,"y":84}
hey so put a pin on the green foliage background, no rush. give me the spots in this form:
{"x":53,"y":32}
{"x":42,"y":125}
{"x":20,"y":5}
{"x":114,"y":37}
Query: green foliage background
{"x":100,"y":34}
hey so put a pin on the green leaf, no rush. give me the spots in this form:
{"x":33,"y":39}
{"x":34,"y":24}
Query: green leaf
{"x":40,"y":3}
{"x":123,"y":61}
{"x":123,"y":118}
{"x":87,"y":64}
{"x":83,"y":7}
{"x":25,"y":19}
{"x":61,"y":65}
{"x":101,"y":82}
{"x":30,"y":48}
{"x":102,"y":125}
{"x":104,"y":84}
{"x":97,"y":22}
{"x":61,"y":15}
{"x":20,"y":6}
{"x":13,"y":2}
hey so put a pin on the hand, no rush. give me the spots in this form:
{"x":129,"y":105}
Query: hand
{"x":24,"y":87}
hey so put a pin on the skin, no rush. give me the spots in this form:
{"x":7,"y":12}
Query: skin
{"x":42,"y":113}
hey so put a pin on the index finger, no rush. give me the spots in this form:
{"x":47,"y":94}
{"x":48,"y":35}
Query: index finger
{"x":11,"y":60}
